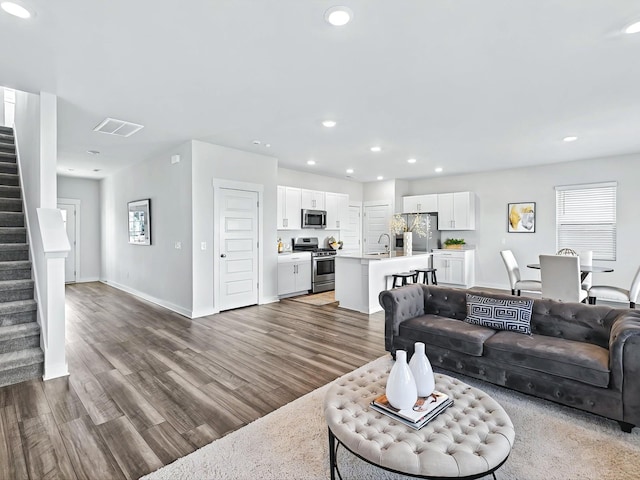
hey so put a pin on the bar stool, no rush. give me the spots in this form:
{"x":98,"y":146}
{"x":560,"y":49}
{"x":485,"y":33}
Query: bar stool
{"x":403,"y":276}
{"x":425,"y":272}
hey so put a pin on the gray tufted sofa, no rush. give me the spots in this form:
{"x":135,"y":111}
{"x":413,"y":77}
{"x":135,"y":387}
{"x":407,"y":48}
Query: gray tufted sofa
{"x":583,"y":356}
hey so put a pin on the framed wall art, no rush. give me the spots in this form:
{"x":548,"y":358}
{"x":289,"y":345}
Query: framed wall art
{"x":521,"y":217}
{"x":140,"y":222}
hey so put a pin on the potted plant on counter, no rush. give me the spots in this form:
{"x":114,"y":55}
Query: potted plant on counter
{"x":454,"y":243}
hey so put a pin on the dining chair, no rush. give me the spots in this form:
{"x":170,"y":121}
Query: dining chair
{"x":586,"y":258}
{"x":616,"y":293}
{"x":513,"y":271}
{"x":560,"y":276}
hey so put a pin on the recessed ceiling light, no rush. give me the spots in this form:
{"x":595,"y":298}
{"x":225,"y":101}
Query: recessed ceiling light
{"x":93,"y":152}
{"x":376,"y":149}
{"x":268,"y":145}
{"x":438,"y":169}
{"x":338,"y":16}
{"x":569,"y":139}
{"x":329,"y":123}
{"x":633,"y":28}
{"x":380,"y":177}
{"x":311,"y":162}
{"x":15,"y":10}
{"x":349,"y":170}
{"x":411,"y":160}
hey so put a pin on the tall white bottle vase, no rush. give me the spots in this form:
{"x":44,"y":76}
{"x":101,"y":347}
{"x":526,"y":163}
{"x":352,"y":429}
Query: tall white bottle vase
{"x":422,"y":371}
{"x":407,"y":243}
{"x":401,"y":386}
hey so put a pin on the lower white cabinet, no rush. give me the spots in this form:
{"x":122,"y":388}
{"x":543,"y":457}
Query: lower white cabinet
{"x":294,"y":273}
{"x":455,"y":267}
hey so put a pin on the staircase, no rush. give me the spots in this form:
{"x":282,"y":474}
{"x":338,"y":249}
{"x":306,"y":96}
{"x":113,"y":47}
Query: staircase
{"x":21,"y":357}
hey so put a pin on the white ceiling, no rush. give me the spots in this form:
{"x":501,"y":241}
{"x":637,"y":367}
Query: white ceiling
{"x":467,"y":85}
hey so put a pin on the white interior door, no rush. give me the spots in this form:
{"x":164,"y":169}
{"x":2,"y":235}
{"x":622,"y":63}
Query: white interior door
{"x":350,"y":234}
{"x":375,"y":223}
{"x":69,"y":218}
{"x":238,"y":241}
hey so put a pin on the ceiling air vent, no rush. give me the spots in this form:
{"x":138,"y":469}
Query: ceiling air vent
{"x":121,"y":128}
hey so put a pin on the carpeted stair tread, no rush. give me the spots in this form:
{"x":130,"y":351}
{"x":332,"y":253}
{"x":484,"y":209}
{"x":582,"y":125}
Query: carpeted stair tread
{"x":8,"y":167}
{"x":11,"y":219}
{"x":9,"y":179}
{"x":7,"y":308}
{"x":21,"y":358}
{"x":13,"y":332}
{"x":15,"y":264}
{"x":10,"y":192}
{"x":15,"y":284}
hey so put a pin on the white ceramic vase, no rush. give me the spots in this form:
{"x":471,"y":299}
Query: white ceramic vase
{"x":401,"y":386}
{"x":407,"y":243}
{"x":422,"y":371}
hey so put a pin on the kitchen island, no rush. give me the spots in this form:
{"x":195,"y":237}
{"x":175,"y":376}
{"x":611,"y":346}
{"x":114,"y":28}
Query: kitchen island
{"x":361,"y":278}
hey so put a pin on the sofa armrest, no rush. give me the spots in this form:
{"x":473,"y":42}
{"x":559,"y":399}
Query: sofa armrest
{"x":400,"y":304}
{"x":624,"y":362}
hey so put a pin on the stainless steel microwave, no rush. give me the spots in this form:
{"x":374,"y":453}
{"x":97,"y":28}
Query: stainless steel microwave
{"x":314,"y":218}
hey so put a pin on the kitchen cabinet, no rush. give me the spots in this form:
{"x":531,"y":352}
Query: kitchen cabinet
{"x":313,"y":199}
{"x":337,"y":206}
{"x":294,"y":273}
{"x":289,"y":208}
{"x":456,"y":211}
{"x":420,"y":203}
{"x":455,"y":267}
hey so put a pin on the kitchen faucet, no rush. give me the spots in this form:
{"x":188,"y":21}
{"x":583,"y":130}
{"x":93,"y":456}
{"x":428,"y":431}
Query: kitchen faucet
{"x":386,"y":247}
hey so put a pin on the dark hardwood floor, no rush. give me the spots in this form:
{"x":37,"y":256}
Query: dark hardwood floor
{"x":148,"y":386}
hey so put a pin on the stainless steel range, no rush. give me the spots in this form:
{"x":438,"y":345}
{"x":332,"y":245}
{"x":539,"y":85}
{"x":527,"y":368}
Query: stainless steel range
{"x":323,"y":264}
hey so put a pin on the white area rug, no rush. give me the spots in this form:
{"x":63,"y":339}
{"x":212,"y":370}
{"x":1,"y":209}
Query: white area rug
{"x":552,"y":442}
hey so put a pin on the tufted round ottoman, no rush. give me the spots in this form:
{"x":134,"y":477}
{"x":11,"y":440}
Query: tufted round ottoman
{"x":470,"y":439}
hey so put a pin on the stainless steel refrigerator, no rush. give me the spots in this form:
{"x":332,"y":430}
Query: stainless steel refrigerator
{"x":422,"y":244}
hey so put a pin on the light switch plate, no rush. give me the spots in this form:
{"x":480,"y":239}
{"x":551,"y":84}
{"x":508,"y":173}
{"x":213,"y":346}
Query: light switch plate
{"x":178,"y":245}
{"x":203,"y":245}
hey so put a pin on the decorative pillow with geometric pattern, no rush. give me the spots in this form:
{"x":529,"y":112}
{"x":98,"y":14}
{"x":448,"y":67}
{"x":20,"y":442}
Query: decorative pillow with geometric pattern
{"x":512,"y":315}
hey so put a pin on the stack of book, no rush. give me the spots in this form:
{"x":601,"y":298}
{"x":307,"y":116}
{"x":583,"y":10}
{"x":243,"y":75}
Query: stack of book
{"x":425,"y":409}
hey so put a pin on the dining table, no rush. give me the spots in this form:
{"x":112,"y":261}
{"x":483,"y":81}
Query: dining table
{"x":585,"y":270}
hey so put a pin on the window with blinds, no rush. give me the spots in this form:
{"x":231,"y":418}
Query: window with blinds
{"x":586,"y":219}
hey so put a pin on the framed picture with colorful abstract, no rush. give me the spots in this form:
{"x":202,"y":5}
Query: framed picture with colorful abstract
{"x":521,"y":217}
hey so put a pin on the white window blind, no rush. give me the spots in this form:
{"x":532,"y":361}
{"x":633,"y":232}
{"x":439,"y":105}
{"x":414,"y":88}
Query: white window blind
{"x":586,"y":219}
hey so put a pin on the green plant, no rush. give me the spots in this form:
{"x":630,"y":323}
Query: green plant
{"x":454,"y":241}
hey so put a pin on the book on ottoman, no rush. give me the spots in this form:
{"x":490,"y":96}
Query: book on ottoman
{"x":424,"y":410}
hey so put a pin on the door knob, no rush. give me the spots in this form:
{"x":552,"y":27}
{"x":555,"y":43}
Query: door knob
{"x":223,"y":255}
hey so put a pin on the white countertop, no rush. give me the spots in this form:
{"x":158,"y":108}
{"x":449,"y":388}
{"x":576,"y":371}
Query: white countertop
{"x":383,"y":256}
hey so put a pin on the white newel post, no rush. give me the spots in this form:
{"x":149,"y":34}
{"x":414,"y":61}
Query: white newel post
{"x":56,"y":248}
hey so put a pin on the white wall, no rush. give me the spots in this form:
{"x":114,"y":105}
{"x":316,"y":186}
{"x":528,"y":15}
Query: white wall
{"x":310,"y":181}
{"x":213,"y":162}
{"x":88,"y":192}
{"x":159,"y":272}
{"x":536,"y":184}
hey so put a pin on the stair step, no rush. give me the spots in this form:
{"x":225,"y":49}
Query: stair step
{"x":13,"y":235}
{"x":11,"y":204}
{"x":15,"y":270}
{"x":9,"y":179}
{"x":13,"y":252}
{"x":6,"y":137}
{"x":9,"y":191}
{"x":12,"y":290}
{"x":6,"y":130}
{"x":8,"y":167}
{"x":11,"y":219}
{"x":21,"y":311}
{"x":7,"y":147}
{"x":18,"y":337}
{"x":16,"y":367}
{"x":8,"y":157}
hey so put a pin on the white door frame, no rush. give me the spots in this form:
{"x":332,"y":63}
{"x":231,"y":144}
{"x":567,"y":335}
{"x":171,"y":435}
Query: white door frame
{"x":75,"y":203}
{"x":235,"y":185}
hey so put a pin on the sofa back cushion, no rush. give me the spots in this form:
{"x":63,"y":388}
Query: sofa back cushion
{"x":445,"y":301}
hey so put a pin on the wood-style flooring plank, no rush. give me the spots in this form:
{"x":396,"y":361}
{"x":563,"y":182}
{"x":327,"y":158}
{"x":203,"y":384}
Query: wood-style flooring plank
{"x":133,"y":454}
{"x":89,"y":454}
{"x":167,"y":443}
{"x":30,"y":400}
{"x":12,"y":461}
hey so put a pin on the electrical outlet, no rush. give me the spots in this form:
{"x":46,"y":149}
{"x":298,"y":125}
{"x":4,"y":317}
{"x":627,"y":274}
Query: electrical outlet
{"x":178,"y":245}
{"x":203,"y":245}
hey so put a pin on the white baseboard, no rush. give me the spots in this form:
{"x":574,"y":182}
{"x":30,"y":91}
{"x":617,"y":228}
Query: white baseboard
{"x":163,"y":303}
{"x":88,"y":280}
{"x":265,"y":300}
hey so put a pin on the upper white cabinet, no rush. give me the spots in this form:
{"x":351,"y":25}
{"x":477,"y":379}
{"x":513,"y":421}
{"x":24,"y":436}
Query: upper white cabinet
{"x":289,"y":208}
{"x":337,"y":206}
{"x":420,"y":203}
{"x":457,"y":211}
{"x":313,"y":200}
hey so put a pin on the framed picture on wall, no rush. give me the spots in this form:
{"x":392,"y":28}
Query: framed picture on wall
{"x":521,"y":217}
{"x":140,"y":222}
